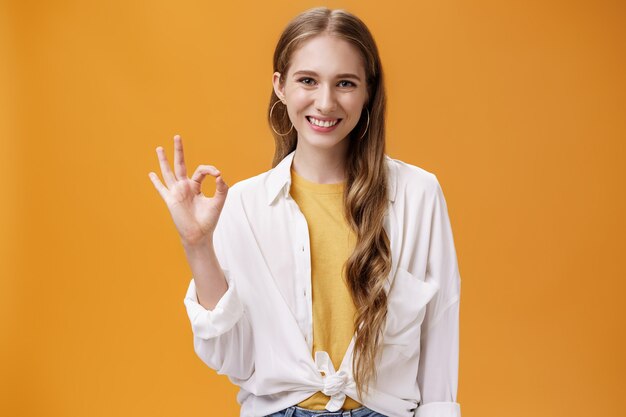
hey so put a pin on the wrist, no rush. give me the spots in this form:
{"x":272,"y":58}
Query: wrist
{"x":194,"y":245}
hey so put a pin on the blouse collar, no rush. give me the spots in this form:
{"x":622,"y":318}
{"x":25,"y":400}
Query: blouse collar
{"x":279,"y":179}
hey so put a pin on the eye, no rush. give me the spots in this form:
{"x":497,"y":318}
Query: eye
{"x":349,"y":82}
{"x":303,"y":79}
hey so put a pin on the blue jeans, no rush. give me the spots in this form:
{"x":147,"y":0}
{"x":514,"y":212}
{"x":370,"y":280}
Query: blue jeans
{"x":295,"y":411}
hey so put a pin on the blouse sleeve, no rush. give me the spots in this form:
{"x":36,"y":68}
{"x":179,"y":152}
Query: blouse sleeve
{"x":437,"y":375}
{"x":222,"y":337}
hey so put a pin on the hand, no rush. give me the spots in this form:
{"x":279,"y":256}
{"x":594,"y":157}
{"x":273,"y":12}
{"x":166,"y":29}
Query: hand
{"x":194,"y":215}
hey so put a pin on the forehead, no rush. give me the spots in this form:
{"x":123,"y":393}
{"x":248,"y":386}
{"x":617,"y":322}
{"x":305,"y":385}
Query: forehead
{"x":327,"y":55}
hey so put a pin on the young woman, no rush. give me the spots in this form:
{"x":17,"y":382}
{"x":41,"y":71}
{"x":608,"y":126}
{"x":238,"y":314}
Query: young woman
{"x":327,"y":285}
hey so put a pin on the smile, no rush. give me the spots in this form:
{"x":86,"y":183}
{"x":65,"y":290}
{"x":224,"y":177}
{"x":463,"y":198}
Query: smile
{"x":322,"y":123}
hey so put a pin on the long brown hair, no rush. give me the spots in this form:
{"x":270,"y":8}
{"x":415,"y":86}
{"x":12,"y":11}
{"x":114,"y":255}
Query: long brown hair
{"x":365,"y":196}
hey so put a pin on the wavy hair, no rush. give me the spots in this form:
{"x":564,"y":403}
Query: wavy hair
{"x":365,"y":193}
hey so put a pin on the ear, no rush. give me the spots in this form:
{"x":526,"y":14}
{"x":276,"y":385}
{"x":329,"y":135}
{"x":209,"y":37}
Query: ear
{"x":278,"y":89}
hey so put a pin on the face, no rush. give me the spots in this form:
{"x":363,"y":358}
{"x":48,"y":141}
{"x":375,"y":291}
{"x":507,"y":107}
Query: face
{"x":325,"y":82}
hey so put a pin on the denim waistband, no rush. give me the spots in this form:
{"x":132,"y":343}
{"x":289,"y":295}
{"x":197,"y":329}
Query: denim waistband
{"x":296,"y":411}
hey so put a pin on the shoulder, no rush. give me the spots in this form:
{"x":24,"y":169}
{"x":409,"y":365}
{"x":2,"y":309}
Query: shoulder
{"x":248,"y":190}
{"x":239,"y":198}
{"x":412,"y":180}
{"x":249,"y":186}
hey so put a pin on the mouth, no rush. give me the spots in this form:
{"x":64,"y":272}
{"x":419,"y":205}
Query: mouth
{"x":323,"y":125}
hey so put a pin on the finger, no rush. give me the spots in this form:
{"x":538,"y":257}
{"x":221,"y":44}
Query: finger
{"x":168,"y":176}
{"x":221,"y":188}
{"x":221,"y":191}
{"x":158,"y":184}
{"x":202,"y":171}
{"x":179,"y":158}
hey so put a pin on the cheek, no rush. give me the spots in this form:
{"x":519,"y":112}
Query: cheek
{"x":298,"y":101}
{"x":354,"y":107}
{"x":299,"y":98}
{"x":353,"y":102}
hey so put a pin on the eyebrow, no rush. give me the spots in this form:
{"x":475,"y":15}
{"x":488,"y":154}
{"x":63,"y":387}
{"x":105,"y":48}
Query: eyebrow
{"x":344,"y":75}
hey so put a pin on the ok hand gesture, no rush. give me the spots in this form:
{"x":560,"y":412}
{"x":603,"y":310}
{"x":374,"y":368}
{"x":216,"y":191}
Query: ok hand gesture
{"x":194,"y":215}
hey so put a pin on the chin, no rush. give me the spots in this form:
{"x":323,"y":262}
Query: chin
{"x":322,"y":142}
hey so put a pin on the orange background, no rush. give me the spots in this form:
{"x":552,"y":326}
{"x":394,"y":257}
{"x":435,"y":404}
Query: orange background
{"x":519,"y":107}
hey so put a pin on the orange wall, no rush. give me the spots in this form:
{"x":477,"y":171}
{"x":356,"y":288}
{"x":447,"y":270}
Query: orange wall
{"x":517,"y":106}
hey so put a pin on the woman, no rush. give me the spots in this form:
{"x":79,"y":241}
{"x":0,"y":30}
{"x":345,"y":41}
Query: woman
{"x":329,"y":284}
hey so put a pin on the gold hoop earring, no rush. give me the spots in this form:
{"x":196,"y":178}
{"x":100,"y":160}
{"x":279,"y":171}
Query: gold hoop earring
{"x":368,"y":123}
{"x":272,"y":125}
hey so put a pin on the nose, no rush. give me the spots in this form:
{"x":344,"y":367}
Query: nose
{"x":325,"y":102}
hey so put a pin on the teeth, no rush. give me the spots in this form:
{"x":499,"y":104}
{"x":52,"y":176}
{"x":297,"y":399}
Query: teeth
{"x":321,"y":123}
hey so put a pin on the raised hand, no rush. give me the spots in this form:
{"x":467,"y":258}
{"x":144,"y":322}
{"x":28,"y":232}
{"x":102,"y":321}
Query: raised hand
{"x":194,"y":215}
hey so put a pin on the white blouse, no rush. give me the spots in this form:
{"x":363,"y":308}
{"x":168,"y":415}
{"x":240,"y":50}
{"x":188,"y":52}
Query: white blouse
{"x":260,"y":333}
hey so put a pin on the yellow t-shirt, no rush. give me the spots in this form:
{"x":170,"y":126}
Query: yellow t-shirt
{"x":332,"y":241}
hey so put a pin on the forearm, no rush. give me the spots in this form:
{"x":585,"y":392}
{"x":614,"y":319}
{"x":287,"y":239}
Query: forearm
{"x":208,"y":276}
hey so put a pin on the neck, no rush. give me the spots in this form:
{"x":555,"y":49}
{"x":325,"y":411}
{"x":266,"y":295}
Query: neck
{"x":321,"y":165}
